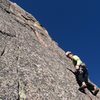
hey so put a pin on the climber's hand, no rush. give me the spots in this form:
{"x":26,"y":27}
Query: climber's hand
{"x":77,"y":67}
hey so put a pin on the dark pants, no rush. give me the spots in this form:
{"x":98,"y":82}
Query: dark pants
{"x":82,"y":76}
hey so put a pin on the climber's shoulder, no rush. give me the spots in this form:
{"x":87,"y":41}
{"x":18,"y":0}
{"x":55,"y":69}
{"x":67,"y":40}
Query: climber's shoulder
{"x":75,"y":57}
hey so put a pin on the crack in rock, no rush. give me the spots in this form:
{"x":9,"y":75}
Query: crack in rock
{"x":2,"y":52}
{"x":7,"y":34}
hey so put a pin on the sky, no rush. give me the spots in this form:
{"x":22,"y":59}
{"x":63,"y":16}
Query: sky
{"x":74,"y":25}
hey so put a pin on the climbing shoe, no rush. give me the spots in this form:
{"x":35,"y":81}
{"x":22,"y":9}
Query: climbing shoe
{"x":96,"y":92}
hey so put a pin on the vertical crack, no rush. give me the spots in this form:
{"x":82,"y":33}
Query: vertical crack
{"x":7,"y":34}
{"x":18,"y":81}
{"x":18,"y":85}
{"x":18,"y":92}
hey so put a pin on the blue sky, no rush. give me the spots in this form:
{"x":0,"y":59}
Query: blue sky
{"x":74,"y":25}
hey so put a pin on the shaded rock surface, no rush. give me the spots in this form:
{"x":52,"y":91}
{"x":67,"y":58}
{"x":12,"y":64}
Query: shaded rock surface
{"x":32,"y":65}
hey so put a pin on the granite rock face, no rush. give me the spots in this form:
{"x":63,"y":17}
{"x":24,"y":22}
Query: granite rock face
{"x":32,"y":65}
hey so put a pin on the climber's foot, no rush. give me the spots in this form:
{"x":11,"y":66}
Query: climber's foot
{"x":95,"y":92}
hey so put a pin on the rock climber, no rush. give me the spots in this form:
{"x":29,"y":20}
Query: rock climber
{"x":82,"y":73}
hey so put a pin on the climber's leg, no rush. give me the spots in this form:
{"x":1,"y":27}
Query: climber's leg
{"x":92,"y":88}
{"x":82,"y":79}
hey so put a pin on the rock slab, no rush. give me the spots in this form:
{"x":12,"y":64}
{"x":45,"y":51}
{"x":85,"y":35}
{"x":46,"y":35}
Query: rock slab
{"x":32,"y":65}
